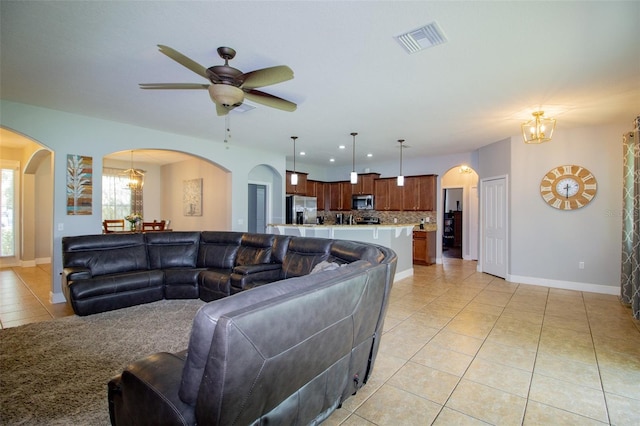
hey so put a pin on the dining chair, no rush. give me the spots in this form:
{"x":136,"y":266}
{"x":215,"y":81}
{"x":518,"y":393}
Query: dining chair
{"x":153,"y":226}
{"x":112,"y":225}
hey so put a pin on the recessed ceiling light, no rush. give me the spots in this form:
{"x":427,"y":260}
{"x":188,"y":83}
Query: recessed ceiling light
{"x":341,"y":146}
{"x":331,"y":160}
{"x":369,"y":155}
{"x":303,"y":153}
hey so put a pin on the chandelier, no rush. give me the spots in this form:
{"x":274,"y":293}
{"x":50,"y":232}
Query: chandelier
{"x":135,"y":178}
{"x":539,"y":129}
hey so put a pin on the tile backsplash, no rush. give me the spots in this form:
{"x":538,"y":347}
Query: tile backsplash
{"x":386,"y":217}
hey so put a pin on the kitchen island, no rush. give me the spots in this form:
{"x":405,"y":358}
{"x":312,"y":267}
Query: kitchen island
{"x":398,"y":237}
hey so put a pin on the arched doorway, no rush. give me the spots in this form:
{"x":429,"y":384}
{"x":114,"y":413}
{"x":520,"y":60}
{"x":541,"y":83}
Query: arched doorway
{"x":460,"y":213}
{"x":32,"y":224}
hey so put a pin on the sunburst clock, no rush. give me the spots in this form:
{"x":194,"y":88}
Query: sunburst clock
{"x":568,"y":187}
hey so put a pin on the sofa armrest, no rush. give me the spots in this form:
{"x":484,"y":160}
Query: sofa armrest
{"x":248,"y":277}
{"x":252,"y":269}
{"x":76,"y":273}
{"x":146,"y":393}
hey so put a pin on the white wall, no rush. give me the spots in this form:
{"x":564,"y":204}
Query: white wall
{"x":547,"y":244}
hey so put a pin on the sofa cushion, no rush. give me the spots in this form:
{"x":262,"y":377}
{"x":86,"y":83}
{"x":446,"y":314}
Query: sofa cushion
{"x":172,"y":249}
{"x":218,"y":249}
{"x":206,"y":319}
{"x":105,"y":254}
{"x":303,"y":254}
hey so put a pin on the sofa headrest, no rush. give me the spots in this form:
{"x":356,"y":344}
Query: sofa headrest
{"x":105,"y":254}
{"x":279,"y":249}
{"x":218,"y":249}
{"x":343,"y":251}
{"x":255,"y":249}
{"x":172,"y":249}
{"x":303,"y":254}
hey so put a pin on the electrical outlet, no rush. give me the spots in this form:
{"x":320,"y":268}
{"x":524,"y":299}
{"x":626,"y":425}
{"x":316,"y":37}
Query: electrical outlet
{"x":580,"y":265}
{"x":61,"y":227}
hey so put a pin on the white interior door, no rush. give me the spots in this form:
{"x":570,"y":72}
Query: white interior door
{"x":494,"y":226}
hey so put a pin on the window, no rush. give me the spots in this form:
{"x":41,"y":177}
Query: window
{"x":8,"y":183}
{"x":117,"y":197}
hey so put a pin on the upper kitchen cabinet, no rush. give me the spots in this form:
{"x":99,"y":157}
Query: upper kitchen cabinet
{"x":365,"y":185}
{"x":387,"y":195}
{"x":419,"y":193}
{"x":316,"y":189}
{"x":300,"y":188}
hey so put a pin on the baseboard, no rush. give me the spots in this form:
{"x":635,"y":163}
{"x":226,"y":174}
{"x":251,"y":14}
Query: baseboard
{"x":565,"y":285}
{"x":27,"y":263}
{"x":402,"y":275}
{"x":42,"y":260}
{"x":57,"y":297}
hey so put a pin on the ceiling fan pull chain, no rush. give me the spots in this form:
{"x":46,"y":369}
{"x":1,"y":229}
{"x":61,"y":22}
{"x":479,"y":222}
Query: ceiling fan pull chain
{"x":227,"y":134}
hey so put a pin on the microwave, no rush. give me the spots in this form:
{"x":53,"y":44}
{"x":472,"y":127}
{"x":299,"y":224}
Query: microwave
{"x":362,"y":202}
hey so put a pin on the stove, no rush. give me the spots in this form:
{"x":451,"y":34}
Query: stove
{"x":368,"y":220}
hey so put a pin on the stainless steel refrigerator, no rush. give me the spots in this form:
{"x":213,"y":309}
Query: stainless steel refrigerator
{"x":301,"y":210}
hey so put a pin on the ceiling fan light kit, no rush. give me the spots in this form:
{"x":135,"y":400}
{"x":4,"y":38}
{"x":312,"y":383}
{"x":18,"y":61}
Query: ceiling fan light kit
{"x":539,"y":129}
{"x":229,"y":86}
{"x":226,"y":95}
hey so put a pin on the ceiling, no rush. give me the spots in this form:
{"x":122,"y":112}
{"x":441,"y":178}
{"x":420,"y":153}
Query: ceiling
{"x":578,"y":61}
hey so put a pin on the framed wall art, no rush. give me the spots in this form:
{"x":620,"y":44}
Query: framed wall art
{"x":192,"y":197}
{"x":79,"y":184}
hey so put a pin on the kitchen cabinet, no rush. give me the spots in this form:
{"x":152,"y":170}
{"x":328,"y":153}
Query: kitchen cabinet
{"x":300,"y":188}
{"x":339,"y":195}
{"x":424,"y":247}
{"x":387,"y":195}
{"x":316,"y":189}
{"x":365,"y":184}
{"x":419,"y":193}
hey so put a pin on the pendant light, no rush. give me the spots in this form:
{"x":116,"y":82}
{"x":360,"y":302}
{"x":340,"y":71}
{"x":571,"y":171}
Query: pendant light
{"x":400,"y":176}
{"x":294,"y":175}
{"x":354,"y":175}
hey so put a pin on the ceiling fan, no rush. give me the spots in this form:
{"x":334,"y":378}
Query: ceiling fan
{"x":230,"y":86}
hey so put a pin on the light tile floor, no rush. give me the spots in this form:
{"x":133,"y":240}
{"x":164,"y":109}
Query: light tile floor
{"x":464,"y":348}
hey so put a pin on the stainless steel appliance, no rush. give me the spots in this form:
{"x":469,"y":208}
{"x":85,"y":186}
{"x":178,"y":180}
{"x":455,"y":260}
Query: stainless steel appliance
{"x":362,"y":202}
{"x":301,"y":210}
{"x":368,"y":220}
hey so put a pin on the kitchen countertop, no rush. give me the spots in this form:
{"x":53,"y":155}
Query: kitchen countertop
{"x":428,"y":227}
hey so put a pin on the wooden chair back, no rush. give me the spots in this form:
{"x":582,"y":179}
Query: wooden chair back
{"x":153,"y":226}
{"x":112,"y":225}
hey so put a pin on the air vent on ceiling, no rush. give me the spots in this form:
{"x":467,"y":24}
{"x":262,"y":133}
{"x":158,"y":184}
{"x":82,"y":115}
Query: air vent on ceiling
{"x":422,"y":38}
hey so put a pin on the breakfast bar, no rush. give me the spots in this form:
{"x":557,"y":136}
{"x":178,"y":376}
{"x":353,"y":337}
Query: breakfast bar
{"x":398,"y":237}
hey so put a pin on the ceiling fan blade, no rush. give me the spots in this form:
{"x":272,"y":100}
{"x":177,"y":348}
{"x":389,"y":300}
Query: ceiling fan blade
{"x":173,"y":86}
{"x":183,"y":60}
{"x":269,"y":100}
{"x":266,"y":77}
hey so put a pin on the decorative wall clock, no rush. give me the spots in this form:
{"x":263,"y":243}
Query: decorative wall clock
{"x":568,"y":187}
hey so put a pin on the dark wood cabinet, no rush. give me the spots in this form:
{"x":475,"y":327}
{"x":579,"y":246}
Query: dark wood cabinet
{"x":315,"y":188}
{"x":424,"y":247}
{"x":419,"y":193}
{"x":365,"y":185}
{"x":300,"y":188}
{"x":339,"y":195}
{"x":345,"y":196}
{"x":387,"y":195}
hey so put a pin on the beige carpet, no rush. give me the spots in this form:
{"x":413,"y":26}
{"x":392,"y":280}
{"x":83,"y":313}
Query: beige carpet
{"x":56,"y":372}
